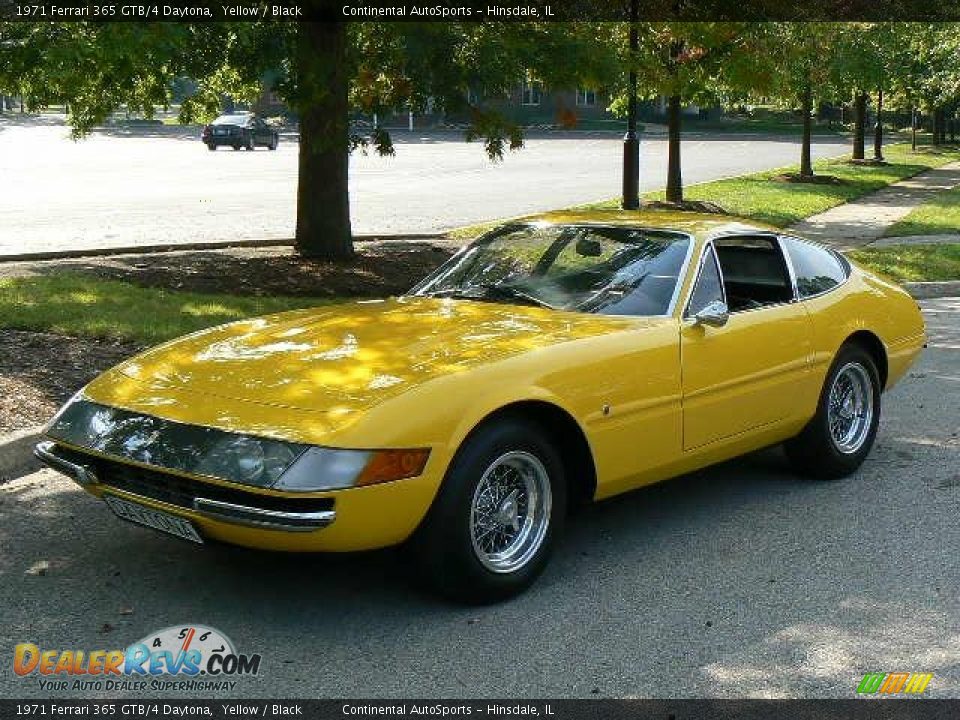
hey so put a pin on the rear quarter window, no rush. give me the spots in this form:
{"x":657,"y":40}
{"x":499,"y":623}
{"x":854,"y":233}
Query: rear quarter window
{"x":817,"y":269}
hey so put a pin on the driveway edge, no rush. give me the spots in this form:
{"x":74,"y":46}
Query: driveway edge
{"x":16,"y":453}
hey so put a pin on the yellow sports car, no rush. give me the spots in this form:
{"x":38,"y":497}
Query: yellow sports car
{"x":549,"y":362}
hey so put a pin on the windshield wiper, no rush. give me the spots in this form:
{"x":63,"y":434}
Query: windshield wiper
{"x":492,"y":293}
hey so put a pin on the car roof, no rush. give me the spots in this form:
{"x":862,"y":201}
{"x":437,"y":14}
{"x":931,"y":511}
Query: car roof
{"x":233,"y":117}
{"x":700,"y":225}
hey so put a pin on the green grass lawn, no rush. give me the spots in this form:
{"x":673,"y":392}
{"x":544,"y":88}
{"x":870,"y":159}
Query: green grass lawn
{"x":761,"y":198}
{"x":913,"y":263}
{"x":81,"y":305}
{"x":939,"y":215}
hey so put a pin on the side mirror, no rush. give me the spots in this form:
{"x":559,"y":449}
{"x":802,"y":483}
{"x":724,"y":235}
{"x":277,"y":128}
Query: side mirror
{"x":715,"y":314}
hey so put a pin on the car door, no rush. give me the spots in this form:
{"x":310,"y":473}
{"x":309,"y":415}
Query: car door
{"x":742,"y":375}
{"x":263,"y":132}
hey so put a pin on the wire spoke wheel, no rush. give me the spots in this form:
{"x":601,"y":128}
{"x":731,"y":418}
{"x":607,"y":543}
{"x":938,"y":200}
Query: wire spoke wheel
{"x":850,"y":408}
{"x":510,"y":513}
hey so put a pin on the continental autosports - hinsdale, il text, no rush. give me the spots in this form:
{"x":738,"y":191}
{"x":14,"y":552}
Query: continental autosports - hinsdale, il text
{"x":440,"y":709}
{"x":444,"y":11}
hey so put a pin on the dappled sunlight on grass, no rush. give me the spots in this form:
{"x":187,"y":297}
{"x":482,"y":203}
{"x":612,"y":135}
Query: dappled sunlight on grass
{"x":941,"y":215}
{"x":762,"y":197}
{"x":913,"y":263}
{"x":211,"y":310}
{"x":81,"y":305}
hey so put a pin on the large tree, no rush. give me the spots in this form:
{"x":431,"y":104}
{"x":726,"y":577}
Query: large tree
{"x":799,"y":75}
{"x":325,"y":71}
{"x":691,"y":63}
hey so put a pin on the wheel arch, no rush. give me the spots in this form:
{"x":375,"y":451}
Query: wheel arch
{"x":568,"y":436}
{"x":877,"y":350}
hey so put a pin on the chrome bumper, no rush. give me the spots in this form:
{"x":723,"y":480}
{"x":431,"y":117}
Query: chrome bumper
{"x":81,"y":474}
{"x":214,"y":509}
{"x":267,"y":519}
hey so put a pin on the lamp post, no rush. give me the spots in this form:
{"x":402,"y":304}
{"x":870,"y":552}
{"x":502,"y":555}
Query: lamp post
{"x":631,"y":143}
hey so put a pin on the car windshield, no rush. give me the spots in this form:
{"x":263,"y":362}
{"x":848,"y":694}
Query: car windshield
{"x":584,"y":268}
{"x":231,"y":120}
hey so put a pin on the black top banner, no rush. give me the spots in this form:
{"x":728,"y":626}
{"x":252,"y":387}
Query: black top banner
{"x":478,"y":10}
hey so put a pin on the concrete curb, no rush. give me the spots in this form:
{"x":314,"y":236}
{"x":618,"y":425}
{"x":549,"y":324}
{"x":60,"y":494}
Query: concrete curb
{"x":928,"y":290}
{"x":214,"y":245}
{"x":16,"y":453}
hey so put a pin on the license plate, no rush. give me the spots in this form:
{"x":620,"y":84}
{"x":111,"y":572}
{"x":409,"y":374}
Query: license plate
{"x":156,"y":519}
{"x":219,"y":131}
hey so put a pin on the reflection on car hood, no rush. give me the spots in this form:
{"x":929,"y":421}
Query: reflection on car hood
{"x":349,"y":357}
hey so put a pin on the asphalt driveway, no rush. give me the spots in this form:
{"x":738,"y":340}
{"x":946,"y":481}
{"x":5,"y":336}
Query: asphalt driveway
{"x":740,"y":580}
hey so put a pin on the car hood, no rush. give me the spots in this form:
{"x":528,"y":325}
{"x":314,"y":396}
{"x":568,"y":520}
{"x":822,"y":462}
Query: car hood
{"x":348,"y":357}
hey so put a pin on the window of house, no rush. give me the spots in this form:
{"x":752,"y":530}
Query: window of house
{"x":531,"y":92}
{"x":587,"y":98}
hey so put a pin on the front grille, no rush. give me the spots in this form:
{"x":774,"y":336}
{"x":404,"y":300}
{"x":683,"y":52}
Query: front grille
{"x":181,"y":491}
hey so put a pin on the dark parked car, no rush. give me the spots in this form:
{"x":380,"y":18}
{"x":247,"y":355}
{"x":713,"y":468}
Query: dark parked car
{"x":240,"y":130}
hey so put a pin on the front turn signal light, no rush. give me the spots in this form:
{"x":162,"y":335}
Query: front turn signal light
{"x":388,"y":465}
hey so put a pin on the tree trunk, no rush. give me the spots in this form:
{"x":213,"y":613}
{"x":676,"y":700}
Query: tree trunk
{"x":674,"y":179}
{"x":878,"y":128}
{"x":859,"y":124}
{"x":937,"y":123}
{"x":806,"y":166}
{"x":913,"y":129}
{"x":323,"y":202}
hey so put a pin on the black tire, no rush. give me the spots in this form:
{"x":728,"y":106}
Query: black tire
{"x":250,"y":145}
{"x":816,"y":452}
{"x":236,"y":147}
{"x":211,"y":147}
{"x":273,"y":144}
{"x":444,"y":548}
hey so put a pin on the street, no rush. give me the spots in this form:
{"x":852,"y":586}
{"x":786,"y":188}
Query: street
{"x":126,"y":187}
{"x":737,"y":581}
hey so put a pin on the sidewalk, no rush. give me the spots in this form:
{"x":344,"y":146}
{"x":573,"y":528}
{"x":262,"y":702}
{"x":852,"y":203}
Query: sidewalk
{"x":861,"y":222}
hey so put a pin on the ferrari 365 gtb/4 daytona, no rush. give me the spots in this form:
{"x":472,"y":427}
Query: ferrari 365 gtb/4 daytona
{"x":552,"y":361}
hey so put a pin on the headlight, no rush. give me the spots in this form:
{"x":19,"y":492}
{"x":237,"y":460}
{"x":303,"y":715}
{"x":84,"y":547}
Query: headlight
{"x":244,"y":459}
{"x":247,"y":460}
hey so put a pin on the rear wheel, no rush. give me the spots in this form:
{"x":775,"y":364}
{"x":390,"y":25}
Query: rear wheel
{"x":493,"y":526}
{"x":839,"y":437}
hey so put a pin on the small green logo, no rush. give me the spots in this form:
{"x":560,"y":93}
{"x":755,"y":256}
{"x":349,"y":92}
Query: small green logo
{"x":894,"y":683}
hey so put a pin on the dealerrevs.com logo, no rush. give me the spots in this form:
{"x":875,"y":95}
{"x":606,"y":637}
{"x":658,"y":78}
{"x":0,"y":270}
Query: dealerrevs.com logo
{"x":180,"y":657}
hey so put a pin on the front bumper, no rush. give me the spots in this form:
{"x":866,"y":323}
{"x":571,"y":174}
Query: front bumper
{"x":345,"y":520}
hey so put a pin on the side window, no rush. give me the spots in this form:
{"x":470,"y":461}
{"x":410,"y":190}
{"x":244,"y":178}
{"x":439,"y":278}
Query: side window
{"x":754,"y":271}
{"x":709,"y":287}
{"x":817,"y":269}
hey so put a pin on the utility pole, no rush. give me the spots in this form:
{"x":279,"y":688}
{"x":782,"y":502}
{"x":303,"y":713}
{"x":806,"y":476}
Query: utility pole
{"x":913,"y":129}
{"x":878,"y":128}
{"x":631,"y":143}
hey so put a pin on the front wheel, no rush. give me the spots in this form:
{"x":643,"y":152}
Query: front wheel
{"x":839,"y":437}
{"x":495,"y":521}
